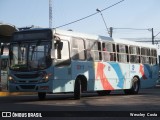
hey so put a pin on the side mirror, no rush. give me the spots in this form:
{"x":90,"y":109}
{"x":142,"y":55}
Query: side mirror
{"x":60,"y":45}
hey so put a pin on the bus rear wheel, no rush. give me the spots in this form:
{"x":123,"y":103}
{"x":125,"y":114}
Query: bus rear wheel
{"x":104,"y":92}
{"x":77,"y":89}
{"x":41,"y":95}
{"x":135,"y":87}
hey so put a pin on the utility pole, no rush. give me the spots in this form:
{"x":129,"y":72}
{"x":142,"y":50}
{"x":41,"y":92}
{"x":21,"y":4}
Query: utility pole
{"x":111,"y":32}
{"x":50,"y":13}
{"x":152,"y":36}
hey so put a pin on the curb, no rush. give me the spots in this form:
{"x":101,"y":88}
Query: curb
{"x":2,"y":94}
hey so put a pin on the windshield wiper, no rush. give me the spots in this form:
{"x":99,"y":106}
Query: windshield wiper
{"x":33,"y":47}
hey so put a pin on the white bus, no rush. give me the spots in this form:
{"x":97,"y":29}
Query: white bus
{"x":57,"y":61}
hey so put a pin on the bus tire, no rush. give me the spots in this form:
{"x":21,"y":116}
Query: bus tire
{"x":135,"y":87}
{"x":41,"y":95}
{"x":77,"y":89}
{"x":104,"y":92}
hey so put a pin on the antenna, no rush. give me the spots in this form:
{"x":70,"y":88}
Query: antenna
{"x":50,"y":13}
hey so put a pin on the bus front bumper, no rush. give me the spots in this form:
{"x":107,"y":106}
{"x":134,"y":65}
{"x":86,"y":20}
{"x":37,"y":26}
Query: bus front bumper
{"x":41,"y":87}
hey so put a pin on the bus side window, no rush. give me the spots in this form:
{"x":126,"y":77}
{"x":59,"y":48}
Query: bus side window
{"x":127,"y":52}
{"x":134,"y":54}
{"x":108,"y":51}
{"x":142,"y":55}
{"x":63,"y":55}
{"x":138,"y":60}
{"x":88,"y":50}
{"x":100,"y":51}
{"x":145,"y":53}
{"x":114,"y":53}
{"x":93,"y":50}
{"x":57,"y":52}
{"x":78,"y":50}
{"x":153,"y":56}
{"x":65,"y":50}
{"x":148,"y":56}
{"x":122,"y":53}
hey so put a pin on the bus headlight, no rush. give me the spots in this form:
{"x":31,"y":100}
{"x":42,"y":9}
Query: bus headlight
{"x":11,"y":79}
{"x":45,"y":78}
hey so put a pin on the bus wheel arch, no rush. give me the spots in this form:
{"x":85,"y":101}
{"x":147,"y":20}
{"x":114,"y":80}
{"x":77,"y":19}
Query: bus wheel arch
{"x":135,"y":86}
{"x":138,"y":80}
{"x":80,"y":86}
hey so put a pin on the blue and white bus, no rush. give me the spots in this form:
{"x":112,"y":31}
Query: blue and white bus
{"x":58,"y":61}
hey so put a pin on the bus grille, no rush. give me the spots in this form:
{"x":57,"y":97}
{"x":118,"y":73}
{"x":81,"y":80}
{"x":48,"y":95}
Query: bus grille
{"x":27,"y":86}
{"x":27,"y":75}
{"x":27,"y":81}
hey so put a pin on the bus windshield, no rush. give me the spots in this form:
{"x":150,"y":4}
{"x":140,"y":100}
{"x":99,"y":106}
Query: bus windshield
{"x":29,"y":56}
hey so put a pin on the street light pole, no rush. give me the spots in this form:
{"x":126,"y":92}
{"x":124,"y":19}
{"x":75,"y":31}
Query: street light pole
{"x":152,"y":36}
{"x":111,"y":32}
{"x":50,"y":13}
{"x":103,"y":21}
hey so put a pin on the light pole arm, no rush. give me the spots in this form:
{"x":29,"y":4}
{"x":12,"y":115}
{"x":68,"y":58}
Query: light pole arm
{"x":103,"y":20}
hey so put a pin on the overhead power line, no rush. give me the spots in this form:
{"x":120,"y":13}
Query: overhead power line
{"x":157,"y":34}
{"x":149,"y":29}
{"x":90,"y":15}
{"x":131,"y":28}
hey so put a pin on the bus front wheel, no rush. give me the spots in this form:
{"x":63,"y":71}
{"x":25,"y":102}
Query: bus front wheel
{"x":135,"y":87}
{"x":41,"y":95}
{"x":77,"y":89}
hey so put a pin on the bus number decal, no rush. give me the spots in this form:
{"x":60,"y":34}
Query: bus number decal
{"x":80,"y":67}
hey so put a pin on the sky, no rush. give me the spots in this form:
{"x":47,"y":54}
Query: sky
{"x":138,"y":14}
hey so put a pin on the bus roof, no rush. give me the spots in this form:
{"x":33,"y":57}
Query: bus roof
{"x":102,"y":38}
{"x":81,"y":35}
{"x":133,"y":43}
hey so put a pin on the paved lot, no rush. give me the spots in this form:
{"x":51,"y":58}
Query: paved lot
{"x":146,"y":100}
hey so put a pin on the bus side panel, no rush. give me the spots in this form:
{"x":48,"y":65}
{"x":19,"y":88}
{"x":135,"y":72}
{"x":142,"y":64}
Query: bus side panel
{"x":149,"y":75}
{"x":62,"y":79}
{"x":85,"y":68}
{"x":135,"y":71}
{"x":155,"y":73}
{"x":111,"y":76}
{"x":122,"y":72}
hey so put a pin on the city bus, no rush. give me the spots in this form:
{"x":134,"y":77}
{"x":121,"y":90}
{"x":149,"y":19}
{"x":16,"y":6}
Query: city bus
{"x":58,"y":61}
